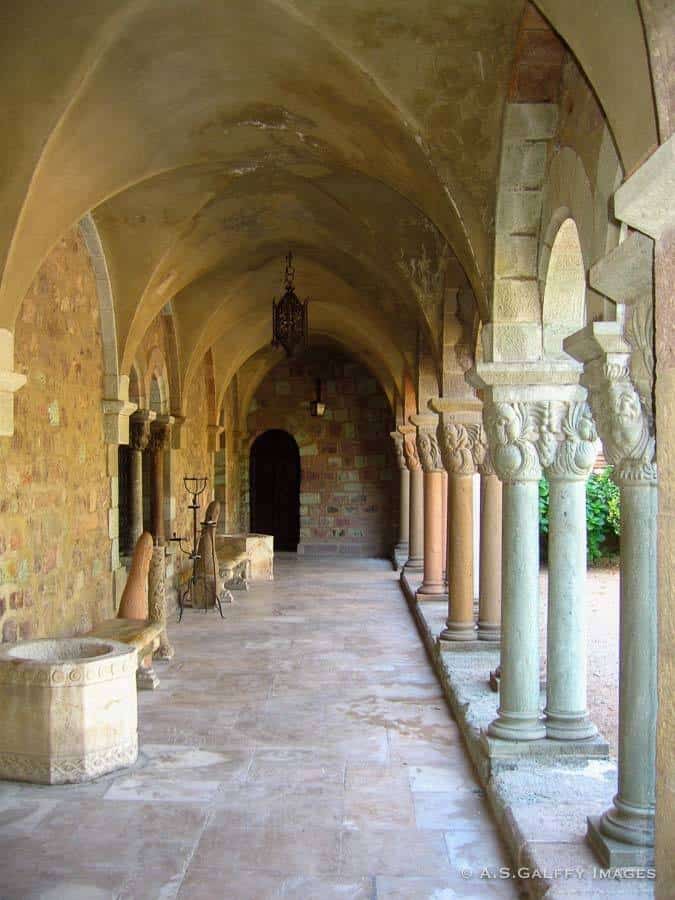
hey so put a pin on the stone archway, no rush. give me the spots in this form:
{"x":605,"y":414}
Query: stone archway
{"x":274,"y":474}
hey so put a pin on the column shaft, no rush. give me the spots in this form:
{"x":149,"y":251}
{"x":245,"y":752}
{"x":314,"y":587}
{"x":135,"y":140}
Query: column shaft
{"x":444,"y":527}
{"x":404,"y":511}
{"x":460,"y":623}
{"x":135,"y":495}
{"x":519,"y":708}
{"x":416,"y":541}
{"x":433,"y":535}
{"x":566,"y":712}
{"x":631,"y":819}
{"x":490,"y":586}
{"x":157,"y":503}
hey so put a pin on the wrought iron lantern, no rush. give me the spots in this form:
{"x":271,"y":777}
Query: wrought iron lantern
{"x":316,"y":407}
{"x":289,"y":315}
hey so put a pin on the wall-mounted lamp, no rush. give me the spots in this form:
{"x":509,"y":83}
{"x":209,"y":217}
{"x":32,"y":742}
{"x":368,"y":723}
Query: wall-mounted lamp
{"x":316,"y":407}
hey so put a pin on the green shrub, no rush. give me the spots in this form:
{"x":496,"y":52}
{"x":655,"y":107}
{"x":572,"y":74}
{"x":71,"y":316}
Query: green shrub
{"x":603,"y":515}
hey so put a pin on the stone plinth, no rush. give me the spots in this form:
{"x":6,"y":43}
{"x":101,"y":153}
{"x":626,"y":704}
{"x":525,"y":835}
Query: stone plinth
{"x":68,"y":709}
{"x":258,"y":547}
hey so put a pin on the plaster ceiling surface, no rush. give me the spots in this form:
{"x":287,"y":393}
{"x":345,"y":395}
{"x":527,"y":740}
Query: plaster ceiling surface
{"x":209,"y":137}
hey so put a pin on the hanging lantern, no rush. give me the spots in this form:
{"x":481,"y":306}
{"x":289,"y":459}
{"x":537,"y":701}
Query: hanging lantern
{"x":289,"y":315}
{"x":316,"y":407}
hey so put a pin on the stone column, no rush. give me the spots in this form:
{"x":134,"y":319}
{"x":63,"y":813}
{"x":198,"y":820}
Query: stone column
{"x":139,"y":436}
{"x":490,"y":577}
{"x":624,"y":834}
{"x":160,"y":434}
{"x":401,"y":548}
{"x":432,"y":467}
{"x":566,"y":712}
{"x":513,"y":431}
{"x":415,"y":562}
{"x":458,"y":441}
{"x":444,"y":533}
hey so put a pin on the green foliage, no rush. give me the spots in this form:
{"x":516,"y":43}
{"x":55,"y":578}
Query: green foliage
{"x":603,"y":514}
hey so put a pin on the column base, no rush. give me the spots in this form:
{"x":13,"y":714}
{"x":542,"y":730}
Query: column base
{"x":569,"y":728}
{"x":514,"y":727}
{"x":488,"y":631}
{"x":457,"y":631}
{"x":614,"y":853}
{"x":400,"y":555}
{"x":433,"y":589}
{"x":414,"y":564}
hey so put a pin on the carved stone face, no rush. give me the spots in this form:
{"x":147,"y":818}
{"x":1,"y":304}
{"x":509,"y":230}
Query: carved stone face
{"x":626,"y":418}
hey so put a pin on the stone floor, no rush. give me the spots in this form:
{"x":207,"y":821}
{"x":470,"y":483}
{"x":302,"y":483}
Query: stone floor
{"x":299,"y":749}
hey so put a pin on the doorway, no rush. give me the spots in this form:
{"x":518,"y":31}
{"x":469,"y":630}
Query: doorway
{"x":274,"y":474}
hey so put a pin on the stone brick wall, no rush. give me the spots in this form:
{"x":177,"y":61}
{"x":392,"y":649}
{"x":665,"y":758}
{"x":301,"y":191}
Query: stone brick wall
{"x":55,"y":549}
{"x":348,"y":483}
{"x":193,"y":458}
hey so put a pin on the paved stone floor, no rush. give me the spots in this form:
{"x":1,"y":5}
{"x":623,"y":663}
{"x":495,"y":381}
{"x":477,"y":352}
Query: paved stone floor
{"x":299,"y":749}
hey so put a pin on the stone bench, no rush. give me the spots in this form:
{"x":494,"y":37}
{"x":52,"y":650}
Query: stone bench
{"x":143,"y":635}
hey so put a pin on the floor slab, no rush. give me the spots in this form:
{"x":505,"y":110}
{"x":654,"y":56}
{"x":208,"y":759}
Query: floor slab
{"x":299,"y":748}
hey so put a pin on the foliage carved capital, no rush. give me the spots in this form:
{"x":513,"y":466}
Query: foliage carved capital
{"x":412,"y":460}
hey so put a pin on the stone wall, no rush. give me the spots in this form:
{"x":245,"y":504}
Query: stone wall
{"x":55,"y":548}
{"x":347,"y":458}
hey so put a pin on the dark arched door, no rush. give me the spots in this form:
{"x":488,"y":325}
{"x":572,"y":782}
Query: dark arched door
{"x":275,"y":488}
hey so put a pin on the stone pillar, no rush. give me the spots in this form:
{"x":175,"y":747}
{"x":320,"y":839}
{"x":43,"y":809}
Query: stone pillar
{"x":458,"y":440}
{"x":513,"y":430}
{"x":566,"y":712}
{"x":402,"y":544}
{"x":624,"y":834}
{"x":159,"y":442}
{"x":139,"y":437}
{"x":490,"y":578}
{"x":444,"y":528}
{"x":432,"y":467}
{"x":415,"y":562}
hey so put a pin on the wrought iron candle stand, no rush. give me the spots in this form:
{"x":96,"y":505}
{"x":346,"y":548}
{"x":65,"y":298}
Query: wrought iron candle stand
{"x":195,"y":486}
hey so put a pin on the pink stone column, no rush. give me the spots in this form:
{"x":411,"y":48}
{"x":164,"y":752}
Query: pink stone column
{"x":415,"y":562}
{"x":458,"y":441}
{"x":402,"y":544}
{"x":490,"y":586}
{"x":430,"y":457}
{"x":444,"y":526}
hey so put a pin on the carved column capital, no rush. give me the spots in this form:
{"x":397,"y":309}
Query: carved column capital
{"x":514,"y":430}
{"x":160,"y":437}
{"x":139,"y":429}
{"x":573,"y":429}
{"x":625,"y":426}
{"x":412,"y":460}
{"x":428,"y":449}
{"x":461,"y":446}
{"x":397,"y":438}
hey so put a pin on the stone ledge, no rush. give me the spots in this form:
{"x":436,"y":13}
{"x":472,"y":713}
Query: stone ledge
{"x":541,"y":797}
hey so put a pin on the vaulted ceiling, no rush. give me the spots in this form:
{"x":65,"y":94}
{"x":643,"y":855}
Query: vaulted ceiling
{"x":209,"y":137}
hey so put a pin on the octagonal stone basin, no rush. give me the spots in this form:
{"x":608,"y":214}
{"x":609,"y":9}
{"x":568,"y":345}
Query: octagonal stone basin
{"x":68,"y":709}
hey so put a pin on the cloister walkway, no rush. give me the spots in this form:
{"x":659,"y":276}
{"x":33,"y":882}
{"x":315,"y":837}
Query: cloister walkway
{"x":300,"y":749}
